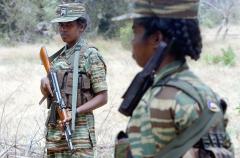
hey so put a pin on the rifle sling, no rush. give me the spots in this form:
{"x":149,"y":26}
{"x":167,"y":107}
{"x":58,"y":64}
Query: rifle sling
{"x":75,"y":84}
{"x":55,"y":55}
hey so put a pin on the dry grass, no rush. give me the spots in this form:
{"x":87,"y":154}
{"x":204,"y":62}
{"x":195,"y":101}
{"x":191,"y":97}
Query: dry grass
{"x":22,"y":119}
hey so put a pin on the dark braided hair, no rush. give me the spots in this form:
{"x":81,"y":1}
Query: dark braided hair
{"x":188,"y":41}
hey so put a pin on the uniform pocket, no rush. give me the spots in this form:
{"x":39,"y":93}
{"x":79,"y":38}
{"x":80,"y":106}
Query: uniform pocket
{"x":85,"y":82}
{"x":85,"y":94}
{"x":68,"y":86}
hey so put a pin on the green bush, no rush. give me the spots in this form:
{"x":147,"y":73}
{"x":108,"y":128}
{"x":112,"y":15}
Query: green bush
{"x":227,"y":58}
{"x":213,"y":59}
{"x":126,"y":36}
{"x":238,"y":108}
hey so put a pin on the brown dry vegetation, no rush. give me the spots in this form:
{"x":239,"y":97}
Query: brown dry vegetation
{"x":22,"y":119}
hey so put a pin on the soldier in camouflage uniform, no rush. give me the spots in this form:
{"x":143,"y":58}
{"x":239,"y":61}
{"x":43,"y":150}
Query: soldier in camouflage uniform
{"x":92,"y":86}
{"x":168,"y":108}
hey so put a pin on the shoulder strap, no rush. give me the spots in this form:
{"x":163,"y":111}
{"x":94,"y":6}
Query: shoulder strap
{"x":93,"y":47}
{"x":55,"y":55}
{"x":192,"y":134}
{"x":75,"y":84}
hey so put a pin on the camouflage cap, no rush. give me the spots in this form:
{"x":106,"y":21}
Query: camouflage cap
{"x":70,"y":12}
{"x":182,"y":9}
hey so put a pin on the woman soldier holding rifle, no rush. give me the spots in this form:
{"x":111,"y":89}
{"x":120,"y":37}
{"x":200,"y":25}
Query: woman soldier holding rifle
{"x":78,"y":66}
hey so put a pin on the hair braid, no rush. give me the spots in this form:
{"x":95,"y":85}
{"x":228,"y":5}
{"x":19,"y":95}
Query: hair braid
{"x":188,"y":41}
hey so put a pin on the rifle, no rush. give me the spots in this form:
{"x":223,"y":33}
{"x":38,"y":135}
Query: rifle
{"x":58,"y":102}
{"x":143,"y":80}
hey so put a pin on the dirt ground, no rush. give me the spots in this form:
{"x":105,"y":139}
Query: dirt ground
{"x":22,"y":119}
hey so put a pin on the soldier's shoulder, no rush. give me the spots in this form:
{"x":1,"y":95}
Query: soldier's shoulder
{"x":174,"y":96}
{"x":92,"y":48}
{"x":93,"y":54}
{"x":91,"y":51}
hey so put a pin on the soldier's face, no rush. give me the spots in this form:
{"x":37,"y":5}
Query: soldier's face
{"x":142,"y":48}
{"x":70,"y":31}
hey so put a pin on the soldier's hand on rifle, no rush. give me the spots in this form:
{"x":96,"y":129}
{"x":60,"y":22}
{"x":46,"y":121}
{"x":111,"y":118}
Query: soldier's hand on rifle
{"x":45,"y":87}
{"x":69,"y":116}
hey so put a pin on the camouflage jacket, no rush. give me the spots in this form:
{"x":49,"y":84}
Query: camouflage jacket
{"x":163,"y":112}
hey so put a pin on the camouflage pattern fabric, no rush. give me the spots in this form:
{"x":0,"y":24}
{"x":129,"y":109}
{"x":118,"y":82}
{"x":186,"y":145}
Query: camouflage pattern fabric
{"x":122,"y":148}
{"x":164,"y":112}
{"x":70,"y":12}
{"x":80,"y":153}
{"x":183,"y":9}
{"x":91,"y":63}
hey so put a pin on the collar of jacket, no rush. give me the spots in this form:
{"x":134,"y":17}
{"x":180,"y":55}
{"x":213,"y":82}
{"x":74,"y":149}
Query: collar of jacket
{"x":170,"y":69}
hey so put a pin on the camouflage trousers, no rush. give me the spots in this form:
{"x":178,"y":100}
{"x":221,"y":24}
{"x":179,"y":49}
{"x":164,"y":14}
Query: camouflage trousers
{"x":79,"y":153}
{"x":83,"y":139}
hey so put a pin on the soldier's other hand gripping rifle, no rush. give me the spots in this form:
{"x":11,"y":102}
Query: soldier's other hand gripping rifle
{"x":57,"y":100}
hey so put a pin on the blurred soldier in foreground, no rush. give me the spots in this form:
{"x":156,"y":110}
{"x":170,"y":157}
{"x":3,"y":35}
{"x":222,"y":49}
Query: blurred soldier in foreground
{"x":173,"y":113}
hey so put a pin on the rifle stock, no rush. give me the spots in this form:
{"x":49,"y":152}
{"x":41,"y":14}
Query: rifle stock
{"x":45,"y":60}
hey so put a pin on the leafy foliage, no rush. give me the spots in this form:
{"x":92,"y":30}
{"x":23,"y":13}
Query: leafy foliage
{"x":20,"y":19}
{"x":227,"y":58}
{"x":102,"y":11}
{"x":26,"y":21}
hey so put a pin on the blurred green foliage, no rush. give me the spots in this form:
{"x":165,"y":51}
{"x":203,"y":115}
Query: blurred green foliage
{"x":24,"y":20}
{"x":27,"y":21}
{"x":238,"y":108}
{"x":101,"y":12}
{"x":126,"y":35}
{"x":227,"y":57}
